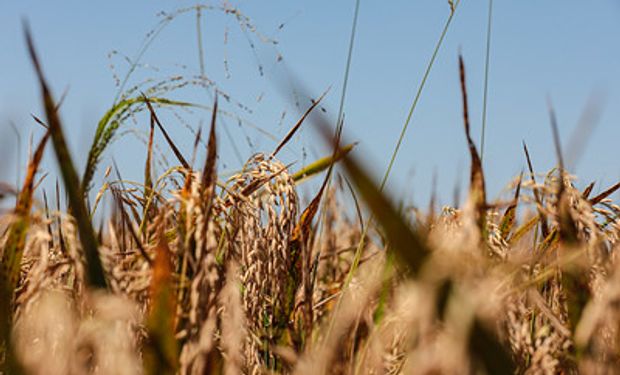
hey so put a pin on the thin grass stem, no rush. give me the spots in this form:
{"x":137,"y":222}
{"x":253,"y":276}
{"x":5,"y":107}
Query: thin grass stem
{"x":388,"y":171}
{"x":486,"y":80}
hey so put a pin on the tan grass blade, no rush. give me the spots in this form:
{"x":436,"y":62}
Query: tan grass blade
{"x":209,"y":172}
{"x":605,"y":194}
{"x":209,"y":175}
{"x":524,"y":229}
{"x":148,"y":174}
{"x":303,"y":227}
{"x":174,"y":148}
{"x":508,"y":219}
{"x":544,"y":227}
{"x":16,"y":240}
{"x":588,"y":190}
{"x":61,"y":237}
{"x":477,"y":191}
{"x":301,"y":261}
{"x":127,"y":223}
{"x":161,"y":352}
{"x":49,"y":220}
{"x":296,"y":127}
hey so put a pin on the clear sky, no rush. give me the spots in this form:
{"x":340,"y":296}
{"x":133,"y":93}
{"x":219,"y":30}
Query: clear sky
{"x":565,"y":50}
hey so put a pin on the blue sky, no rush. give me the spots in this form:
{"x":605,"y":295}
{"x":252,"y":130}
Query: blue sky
{"x":564,"y":50}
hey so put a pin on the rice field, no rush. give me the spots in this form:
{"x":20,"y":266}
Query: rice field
{"x":192,"y":272}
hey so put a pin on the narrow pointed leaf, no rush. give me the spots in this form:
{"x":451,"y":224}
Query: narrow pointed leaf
{"x":588,"y":190}
{"x":95,"y":274}
{"x":322,"y":164}
{"x":296,"y":127}
{"x":477,"y":191}
{"x":544,"y":227}
{"x":174,"y":148}
{"x":508,"y":219}
{"x":605,"y":194}
{"x":16,"y":240}
{"x":161,"y":352}
{"x":209,"y":172}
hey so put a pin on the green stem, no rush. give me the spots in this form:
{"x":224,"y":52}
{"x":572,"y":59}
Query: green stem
{"x":403,"y":131}
{"x":486,"y":80}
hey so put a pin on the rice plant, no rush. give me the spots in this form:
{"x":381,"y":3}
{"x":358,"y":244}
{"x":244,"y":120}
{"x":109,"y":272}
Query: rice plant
{"x":194,"y":273}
